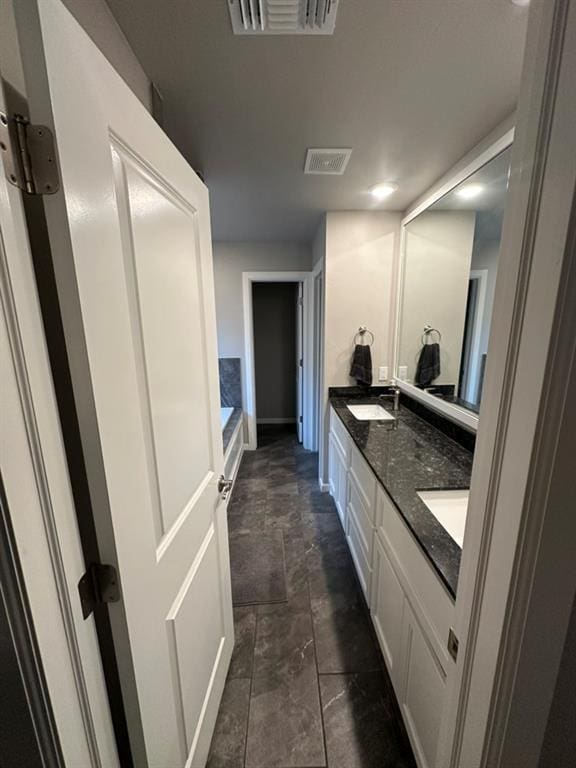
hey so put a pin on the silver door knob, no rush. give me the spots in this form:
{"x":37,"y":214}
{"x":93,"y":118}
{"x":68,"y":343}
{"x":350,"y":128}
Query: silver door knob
{"x":224,"y":486}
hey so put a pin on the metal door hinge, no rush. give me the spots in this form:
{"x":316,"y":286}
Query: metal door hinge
{"x":300,"y":419}
{"x":98,"y":586}
{"x":300,"y":301}
{"x":452,"y":644}
{"x":301,"y":363}
{"x":28,"y":155}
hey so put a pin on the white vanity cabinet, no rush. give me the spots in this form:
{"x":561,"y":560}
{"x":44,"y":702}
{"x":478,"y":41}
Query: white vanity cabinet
{"x":339,"y":449}
{"x":411,"y":610}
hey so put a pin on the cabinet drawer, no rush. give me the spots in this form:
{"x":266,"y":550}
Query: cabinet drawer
{"x":357,"y":508}
{"x":357,"y":551}
{"x":365,"y":481}
{"x":340,"y":435}
{"x":422,"y":585}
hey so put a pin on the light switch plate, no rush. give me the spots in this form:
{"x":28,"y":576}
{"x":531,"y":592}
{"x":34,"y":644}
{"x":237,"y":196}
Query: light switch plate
{"x":403,"y":372}
{"x":383,"y":373}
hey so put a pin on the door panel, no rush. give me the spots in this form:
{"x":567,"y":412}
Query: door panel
{"x":130,"y":236}
{"x":167,"y":326}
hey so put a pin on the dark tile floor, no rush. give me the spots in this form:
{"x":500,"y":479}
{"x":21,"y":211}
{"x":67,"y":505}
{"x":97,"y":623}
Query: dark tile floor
{"x":307,"y":684}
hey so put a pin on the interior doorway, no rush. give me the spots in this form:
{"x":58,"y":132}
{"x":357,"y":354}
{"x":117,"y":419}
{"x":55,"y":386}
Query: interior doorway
{"x":277,"y":323}
{"x":278,"y":353}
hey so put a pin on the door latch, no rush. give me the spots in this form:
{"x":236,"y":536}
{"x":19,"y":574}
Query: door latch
{"x":99,"y":585}
{"x":224,"y":486}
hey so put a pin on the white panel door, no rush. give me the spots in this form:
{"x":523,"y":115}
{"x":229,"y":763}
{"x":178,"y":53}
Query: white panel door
{"x":130,"y":237}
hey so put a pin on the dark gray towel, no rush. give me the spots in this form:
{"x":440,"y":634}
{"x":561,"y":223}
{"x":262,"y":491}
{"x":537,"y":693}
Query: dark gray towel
{"x":428,"y":367}
{"x":361,"y":366}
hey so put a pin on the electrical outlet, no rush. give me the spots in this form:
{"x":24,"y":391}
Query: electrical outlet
{"x":403,"y":372}
{"x":383,"y":373}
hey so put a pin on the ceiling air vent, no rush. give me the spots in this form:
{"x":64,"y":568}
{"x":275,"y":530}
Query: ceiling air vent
{"x":327,"y":161}
{"x":283,"y":17}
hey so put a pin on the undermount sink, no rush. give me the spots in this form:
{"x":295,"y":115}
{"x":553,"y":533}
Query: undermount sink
{"x":449,"y":508}
{"x":370,"y":413}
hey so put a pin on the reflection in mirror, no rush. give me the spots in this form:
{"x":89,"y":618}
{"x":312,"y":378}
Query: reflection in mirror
{"x":450,"y":265}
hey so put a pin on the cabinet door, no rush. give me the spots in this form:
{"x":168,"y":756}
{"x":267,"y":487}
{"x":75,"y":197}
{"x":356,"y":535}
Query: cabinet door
{"x":333,"y":467}
{"x":423,"y":689}
{"x":387,"y":608}
{"x":342,"y":495}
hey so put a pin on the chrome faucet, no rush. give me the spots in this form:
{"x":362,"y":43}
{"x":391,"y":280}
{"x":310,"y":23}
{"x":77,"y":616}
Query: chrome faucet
{"x":396,"y":397}
{"x":396,"y":393}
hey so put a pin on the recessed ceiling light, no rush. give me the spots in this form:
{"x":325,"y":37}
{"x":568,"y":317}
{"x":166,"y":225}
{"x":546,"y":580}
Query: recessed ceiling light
{"x":520,"y":2}
{"x":383,"y":190}
{"x":470,"y":191}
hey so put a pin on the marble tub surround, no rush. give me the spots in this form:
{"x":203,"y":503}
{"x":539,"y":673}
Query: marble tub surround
{"x":230,"y":381}
{"x":228,"y":430}
{"x":307,"y":684}
{"x":407,"y":456}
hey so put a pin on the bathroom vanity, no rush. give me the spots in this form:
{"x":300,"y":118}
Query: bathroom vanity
{"x":406,"y":561}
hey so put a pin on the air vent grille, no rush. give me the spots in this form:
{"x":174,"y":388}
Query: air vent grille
{"x":283,"y":17}
{"x":327,"y":162}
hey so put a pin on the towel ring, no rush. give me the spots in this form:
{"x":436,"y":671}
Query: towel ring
{"x":362,"y":331}
{"x":427,"y":331}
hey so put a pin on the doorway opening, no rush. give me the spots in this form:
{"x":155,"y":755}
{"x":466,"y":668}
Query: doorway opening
{"x":278,"y":343}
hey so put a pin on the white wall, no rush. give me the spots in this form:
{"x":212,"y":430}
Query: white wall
{"x":361,"y":250}
{"x":435,"y":290}
{"x":360,"y":262}
{"x":230,"y":261}
{"x":99,"y":23}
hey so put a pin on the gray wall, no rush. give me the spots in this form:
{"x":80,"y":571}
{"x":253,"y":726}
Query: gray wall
{"x":559,"y":747}
{"x":18,"y":745}
{"x":274,"y":306}
{"x":230,"y":261}
{"x":99,"y":23}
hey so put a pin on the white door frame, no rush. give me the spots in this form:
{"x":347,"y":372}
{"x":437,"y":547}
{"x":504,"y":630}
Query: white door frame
{"x":248,"y":278}
{"x":472,"y":373}
{"x":518,"y":574}
{"x":317,"y":336}
{"x":43,"y":517}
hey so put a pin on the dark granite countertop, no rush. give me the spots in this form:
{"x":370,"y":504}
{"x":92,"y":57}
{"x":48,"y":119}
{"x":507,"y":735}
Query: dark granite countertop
{"x":407,"y":456}
{"x":228,"y":430}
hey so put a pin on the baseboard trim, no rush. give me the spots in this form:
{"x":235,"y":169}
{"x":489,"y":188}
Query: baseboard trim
{"x":324,"y":487}
{"x":276,"y":421}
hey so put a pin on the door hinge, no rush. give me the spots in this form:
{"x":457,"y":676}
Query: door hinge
{"x":28,"y":155}
{"x":301,"y":362}
{"x":300,"y":301}
{"x":98,"y":586}
{"x":452,"y":644}
{"x":300,"y":419}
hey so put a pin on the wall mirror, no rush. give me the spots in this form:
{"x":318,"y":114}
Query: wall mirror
{"x":451,"y":251}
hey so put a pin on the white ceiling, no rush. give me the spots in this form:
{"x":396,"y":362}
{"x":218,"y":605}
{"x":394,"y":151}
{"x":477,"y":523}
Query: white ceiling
{"x":410,"y":85}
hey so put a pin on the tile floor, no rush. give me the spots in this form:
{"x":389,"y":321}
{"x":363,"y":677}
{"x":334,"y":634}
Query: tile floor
{"x":307,"y":684}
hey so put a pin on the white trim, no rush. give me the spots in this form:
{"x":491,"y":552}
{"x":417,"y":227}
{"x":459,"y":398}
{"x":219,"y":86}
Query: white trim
{"x":498,"y":141}
{"x":43,"y":517}
{"x":249,"y":372}
{"x":472,"y":374}
{"x":517,"y":573}
{"x":276,"y":421}
{"x":462,"y":416}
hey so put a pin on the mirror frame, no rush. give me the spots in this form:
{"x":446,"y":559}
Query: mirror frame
{"x":491,"y":146}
